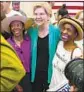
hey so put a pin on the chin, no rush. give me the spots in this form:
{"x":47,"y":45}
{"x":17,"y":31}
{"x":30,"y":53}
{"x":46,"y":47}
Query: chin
{"x":64,"y":40}
{"x":17,"y":35}
{"x":39,"y":23}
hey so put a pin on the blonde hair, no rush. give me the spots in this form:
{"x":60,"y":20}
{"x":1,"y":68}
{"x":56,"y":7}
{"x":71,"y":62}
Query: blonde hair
{"x":45,"y":5}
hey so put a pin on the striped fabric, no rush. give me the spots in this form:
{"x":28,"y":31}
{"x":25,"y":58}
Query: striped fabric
{"x":72,"y":7}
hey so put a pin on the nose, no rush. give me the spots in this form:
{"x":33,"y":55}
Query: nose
{"x":15,"y":26}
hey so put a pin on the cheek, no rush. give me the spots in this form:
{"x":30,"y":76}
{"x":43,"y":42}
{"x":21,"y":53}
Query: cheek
{"x":71,"y":34}
{"x":46,"y":19}
{"x":74,"y":33}
{"x":11,"y":28}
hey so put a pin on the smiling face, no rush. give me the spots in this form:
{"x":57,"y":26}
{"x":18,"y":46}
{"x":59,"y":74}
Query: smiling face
{"x":16,"y":6}
{"x":68,"y":32}
{"x":17,"y":28}
{"x":40,"y":16}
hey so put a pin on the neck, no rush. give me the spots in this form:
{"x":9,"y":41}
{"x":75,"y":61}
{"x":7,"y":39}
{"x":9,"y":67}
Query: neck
{"x":43,"y":31}
{"x":18,"y":39}
{"x":44,"y":27}
{"x":69,"y":45}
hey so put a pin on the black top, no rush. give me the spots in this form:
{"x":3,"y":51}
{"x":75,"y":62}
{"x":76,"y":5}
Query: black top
{"x":42,"y":54}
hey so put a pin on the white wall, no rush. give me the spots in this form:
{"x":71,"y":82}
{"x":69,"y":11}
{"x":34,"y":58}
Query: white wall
{"x":27,"y":8}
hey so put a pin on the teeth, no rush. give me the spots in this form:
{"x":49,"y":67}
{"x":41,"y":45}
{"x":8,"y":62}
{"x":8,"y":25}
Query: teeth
{"x":64,"y":37}
{"x":16,"y":32}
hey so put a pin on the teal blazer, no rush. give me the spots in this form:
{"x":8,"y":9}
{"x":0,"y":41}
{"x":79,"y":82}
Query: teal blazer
{"x":54,"y":37}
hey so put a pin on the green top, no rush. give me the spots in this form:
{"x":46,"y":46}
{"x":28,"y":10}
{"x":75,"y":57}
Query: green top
{"x":54,"y":37}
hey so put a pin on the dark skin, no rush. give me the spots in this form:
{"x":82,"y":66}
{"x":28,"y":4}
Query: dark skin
{"x":68,"y":36}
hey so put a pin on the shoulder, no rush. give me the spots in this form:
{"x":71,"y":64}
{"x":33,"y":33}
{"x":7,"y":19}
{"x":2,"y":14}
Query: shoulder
{"x":26,"y":37}
{"x":10,"y":40}
{"x":79,"y":44}
{"x":51,"y":26}
{"x":60,"y":44}
{"x":77,"y":53}
{"x":23,"y":13}
{"x":55,"y":30}
{"x":32,"y":30}
{"x":12,"y":12}
{"x":15,"y":12}
{"x":77,"y":50}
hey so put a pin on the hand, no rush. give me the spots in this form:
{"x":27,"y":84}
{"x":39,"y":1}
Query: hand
{"x":19,"y":88}
{"x":73,"y":88}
